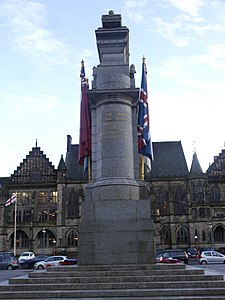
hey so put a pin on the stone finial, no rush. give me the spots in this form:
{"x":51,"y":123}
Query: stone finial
{"x":94,"y":81}
{"x":94,"y":73}
{"x":132,"y":71}
{"x":111,"y":12}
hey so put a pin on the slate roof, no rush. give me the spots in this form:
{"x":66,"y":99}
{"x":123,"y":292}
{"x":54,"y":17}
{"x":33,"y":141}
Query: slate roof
{"x":62,"y":166}
{"x":169,"y":160}
{"x":74,"y":170}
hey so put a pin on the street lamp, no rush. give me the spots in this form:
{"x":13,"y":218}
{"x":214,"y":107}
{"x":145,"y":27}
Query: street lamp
{"x":54,"y":242}
{"x":211,"y":233}
{"x":43,"y":239}
{"x":196,"y":245}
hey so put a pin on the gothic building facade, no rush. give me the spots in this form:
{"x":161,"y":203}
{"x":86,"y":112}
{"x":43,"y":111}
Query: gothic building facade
{"x":188,"y":206}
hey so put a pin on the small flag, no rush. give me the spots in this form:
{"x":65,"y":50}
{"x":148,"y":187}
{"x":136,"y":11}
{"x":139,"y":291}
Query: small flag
{"x":85,"y":122}
{"x":143,"y":128}
{"x":11,"y":200}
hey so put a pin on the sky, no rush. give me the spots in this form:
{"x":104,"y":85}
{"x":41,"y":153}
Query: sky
{"x":42,"y":44}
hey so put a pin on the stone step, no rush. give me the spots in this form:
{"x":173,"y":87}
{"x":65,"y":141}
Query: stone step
{"x":121,"y":279}
{"x":142,"y":298}
{"x":116,"y":282}
{"x":115,"y":294}
{"x":115,"y":286}
{"x":78,"y":272}
{"x":119,"y":267}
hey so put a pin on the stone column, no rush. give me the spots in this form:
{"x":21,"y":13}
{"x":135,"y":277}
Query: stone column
{"x":116,"y":225}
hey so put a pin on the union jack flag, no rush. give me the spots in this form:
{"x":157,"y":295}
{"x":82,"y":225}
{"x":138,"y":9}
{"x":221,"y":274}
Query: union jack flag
{"x":143,"y":128}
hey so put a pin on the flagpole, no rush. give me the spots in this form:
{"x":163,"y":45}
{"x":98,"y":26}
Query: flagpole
{"x":15,"y":228}
{"x":89,"y":168}
{"x":142,"y":169}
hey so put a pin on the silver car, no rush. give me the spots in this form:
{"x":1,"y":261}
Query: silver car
{"x":211,"y":257}
{"x":49,"y":262}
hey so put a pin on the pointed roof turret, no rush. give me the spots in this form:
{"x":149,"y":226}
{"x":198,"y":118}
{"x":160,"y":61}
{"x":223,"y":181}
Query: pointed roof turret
{"x":62,"y":165}
{"x":195,"y":166}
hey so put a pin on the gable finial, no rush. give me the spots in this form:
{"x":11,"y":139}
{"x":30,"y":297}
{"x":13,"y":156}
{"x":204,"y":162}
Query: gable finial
{"x":36,"y":143}
{"x":194,"y":147}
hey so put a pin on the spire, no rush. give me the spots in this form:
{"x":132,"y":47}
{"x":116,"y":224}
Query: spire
{"x":195,"y":166}
{"x":62,"y":166}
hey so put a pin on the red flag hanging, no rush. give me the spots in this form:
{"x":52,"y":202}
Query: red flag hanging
{"x":85,"y":121}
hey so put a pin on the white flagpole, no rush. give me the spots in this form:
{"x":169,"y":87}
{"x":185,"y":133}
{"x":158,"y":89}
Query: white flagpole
{"x":15,"y":227}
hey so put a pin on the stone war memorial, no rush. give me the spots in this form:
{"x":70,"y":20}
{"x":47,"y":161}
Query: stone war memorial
{"x":116,"y":225}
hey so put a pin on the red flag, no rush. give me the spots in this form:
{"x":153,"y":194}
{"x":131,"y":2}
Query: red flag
{"x":85,"y":120}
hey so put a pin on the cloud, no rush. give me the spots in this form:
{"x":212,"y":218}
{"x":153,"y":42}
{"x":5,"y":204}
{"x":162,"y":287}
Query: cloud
{"x":191,"y":7}
{"x":169,"y":31}
{"x":135,"y":10}
{"x":25,"y":22}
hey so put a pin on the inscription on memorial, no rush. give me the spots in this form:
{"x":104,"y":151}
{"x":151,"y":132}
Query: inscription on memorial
{"x":114,"y":124}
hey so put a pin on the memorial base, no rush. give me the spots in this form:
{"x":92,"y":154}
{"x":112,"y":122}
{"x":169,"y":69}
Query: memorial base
{"x":115,"y":231}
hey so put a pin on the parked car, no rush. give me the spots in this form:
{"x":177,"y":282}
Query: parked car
{"x":221,"y":250}
{"x":8,"y":262}
{"x":211,"y":257}
{"x":6,"y":254}
{"x":68,"y":261}
{"x":192,"y":252}
{"x":50,"y":261}
{"x":29,"y":263}
{"x":206,"y":249}
{"x":178,"y":254}
{"x":167,"y":260}
{"x":26,"y":255}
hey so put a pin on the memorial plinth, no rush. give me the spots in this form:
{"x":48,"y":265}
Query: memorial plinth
{"x":116,"y":225}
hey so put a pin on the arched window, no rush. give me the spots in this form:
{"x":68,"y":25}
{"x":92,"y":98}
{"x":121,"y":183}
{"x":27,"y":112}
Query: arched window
{"x":164,"y":236}
{"x":162,"y":201}
{"x":180,"y":201}
{"x":219,"y":234}
{"x":182,"y":236}
{"x":21,"y":239}
{"x":72,"y":238}
{"x":45,"y":239}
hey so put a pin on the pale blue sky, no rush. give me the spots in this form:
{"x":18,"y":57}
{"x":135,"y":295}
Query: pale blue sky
{"x":43,"y":42}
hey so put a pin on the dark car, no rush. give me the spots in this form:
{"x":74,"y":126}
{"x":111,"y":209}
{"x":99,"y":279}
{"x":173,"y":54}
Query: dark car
{"x":29,"y":263}
{"x":221,"y":250}
{"x":179,"y":254}
{"x":167,"y":260}
{"x":8,"y":263}
{"x":192,"y":252}
{"x":6,"y":254}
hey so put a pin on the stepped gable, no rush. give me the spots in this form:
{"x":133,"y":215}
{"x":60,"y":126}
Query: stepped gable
{"x":169,"y":160}
{"x":217,"y":168}
{"x":196,"y":169}
{"x":35,"y":168}
{"x":74,"y":171}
